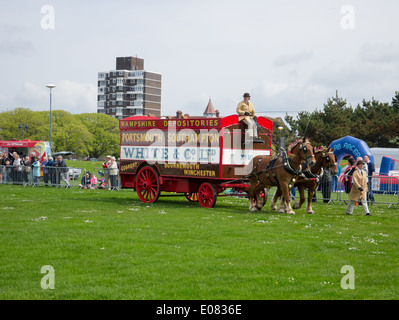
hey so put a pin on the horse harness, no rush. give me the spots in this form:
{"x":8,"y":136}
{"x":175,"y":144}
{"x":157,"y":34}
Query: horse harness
{"x":286,"y":164}
{"x":309,"y":175}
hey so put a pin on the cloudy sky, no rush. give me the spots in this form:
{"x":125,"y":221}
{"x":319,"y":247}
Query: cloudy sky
{"x":290,"y":55}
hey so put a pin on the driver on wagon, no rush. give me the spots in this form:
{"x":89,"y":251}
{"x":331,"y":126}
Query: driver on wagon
{"x":246,"y":113}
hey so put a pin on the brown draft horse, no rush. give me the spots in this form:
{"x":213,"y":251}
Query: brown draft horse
{"x":310,"y":178}
{"x":279,"y":171}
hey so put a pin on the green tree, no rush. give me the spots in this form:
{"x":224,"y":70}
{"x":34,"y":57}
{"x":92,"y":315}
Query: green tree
{"x":394,"y":125}
{"x":104,"y":132}
{"x":371,"y":123}
{"x":69,"y":134}
{"x":10,"y":121}
{"x":323,"y":126}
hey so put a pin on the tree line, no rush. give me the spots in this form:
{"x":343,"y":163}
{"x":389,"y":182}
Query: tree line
{"x":86,"y":134}
{"x":375,"y":122}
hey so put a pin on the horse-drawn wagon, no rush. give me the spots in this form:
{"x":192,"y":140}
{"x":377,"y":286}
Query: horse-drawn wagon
{"x":198,"y":157}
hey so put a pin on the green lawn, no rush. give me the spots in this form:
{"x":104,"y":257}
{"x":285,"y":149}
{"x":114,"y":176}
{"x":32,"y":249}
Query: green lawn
{"x":108,"y":245}
{"x":87,"y":165}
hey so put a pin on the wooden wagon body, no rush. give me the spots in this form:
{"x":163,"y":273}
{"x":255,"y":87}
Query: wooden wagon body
{"x":199,"y":157}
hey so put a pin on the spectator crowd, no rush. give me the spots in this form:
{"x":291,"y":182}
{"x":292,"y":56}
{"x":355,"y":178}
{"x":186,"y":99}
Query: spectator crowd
{"x":22,"y":170}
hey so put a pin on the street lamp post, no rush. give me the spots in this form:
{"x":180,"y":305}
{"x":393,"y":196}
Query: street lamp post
{"x":50,"y":86}
{"x":23,"y":127}
{"x":282,"y":139}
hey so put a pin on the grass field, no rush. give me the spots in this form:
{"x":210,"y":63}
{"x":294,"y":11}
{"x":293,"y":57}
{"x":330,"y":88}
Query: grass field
{"x":87,"y":165}
{"x":108,"y":245}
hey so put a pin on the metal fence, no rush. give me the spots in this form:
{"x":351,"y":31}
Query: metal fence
{"x":99,"y":178}
{"x":384,"y":190}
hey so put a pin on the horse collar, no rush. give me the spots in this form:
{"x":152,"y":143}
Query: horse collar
{"x":288,"y":167}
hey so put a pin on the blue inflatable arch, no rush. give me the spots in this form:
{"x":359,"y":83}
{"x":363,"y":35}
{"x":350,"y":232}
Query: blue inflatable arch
{"x":350,"y":146}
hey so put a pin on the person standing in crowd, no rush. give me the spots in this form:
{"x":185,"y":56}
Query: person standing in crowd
{"x":106,"y":165}
{"x":113,"y":174}
{"x":26,"y":171}
{"x":36,"y":171}
{"x":326,"y":186}
{"x":45,"y":171}
{"x":365,"y":168}
{"x":334,"y":180}
{"x":371,"y":171}
{"x":17,"y":169}
{"x":11,"y":153}
{"x":359,"y":189}
{"x":7,"y":171}
{"x":51,"y":170}
{"x":1,"y":167}
{"x":348,"y":174}
{"x":63,"y":171}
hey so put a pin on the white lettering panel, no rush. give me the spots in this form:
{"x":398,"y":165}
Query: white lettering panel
{"x":171,"y":154}
{"x":241,"y":157}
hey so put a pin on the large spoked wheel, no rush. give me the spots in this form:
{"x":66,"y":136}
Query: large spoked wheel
{"x":192,"y":197}
{"x":207,"y":195}
{"x":147,"y":184}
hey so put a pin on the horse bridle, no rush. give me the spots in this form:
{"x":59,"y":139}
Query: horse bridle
{"x":304,"y":148}
{"x":325,"y":156}
{"x":328,"y":159}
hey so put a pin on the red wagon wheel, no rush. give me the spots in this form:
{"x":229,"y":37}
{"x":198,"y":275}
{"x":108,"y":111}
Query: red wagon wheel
{"x":192,"y":196}
{"x":207,"y":195}
{"x":147,"y":184}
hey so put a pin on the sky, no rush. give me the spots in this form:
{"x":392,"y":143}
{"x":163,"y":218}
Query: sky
{"x":289,"y":55}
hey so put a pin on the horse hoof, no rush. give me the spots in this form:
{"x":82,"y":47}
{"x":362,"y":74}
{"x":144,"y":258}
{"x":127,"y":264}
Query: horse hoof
{"x":280,"y":211}
{"x":310,"y":212}
{"x":291,"y":212}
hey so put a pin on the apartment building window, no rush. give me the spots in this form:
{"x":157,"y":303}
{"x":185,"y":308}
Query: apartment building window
{"x":121,"y":91}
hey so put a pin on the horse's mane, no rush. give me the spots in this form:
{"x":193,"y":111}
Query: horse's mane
{"x":319,"y":149}
{"x":294,"y":144}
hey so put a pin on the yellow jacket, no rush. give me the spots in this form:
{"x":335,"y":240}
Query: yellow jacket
{"x":359,"y":180}
{"x":244,"y":107}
